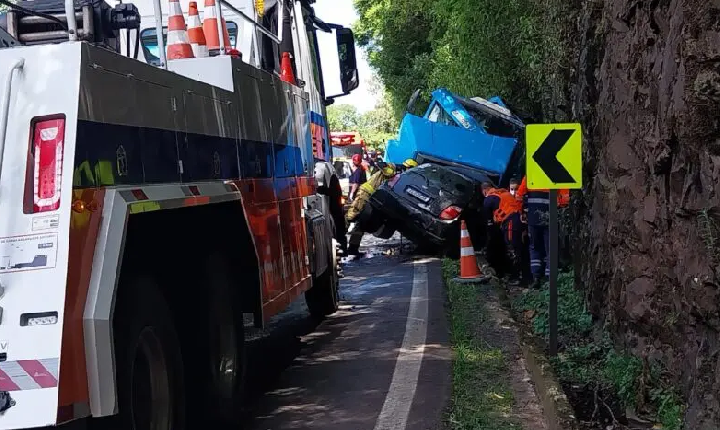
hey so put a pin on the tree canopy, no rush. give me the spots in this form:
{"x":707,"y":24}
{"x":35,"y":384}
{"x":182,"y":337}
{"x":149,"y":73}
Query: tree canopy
{"x":376,"y":126}
{"x":472,"y":47}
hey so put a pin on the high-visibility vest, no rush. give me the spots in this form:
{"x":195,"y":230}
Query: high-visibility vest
{"x":522,"y":189}
{"x":508,"y":204}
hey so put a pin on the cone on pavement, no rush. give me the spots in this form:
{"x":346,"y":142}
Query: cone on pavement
{"x":196,"y":35}
{"x":210,"y":29}
{"x":469,"y":270}
{"x":286,"y":71}
{"x":177,"y":39}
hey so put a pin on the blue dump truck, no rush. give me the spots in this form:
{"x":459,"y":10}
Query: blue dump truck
{"x":459,"y":143}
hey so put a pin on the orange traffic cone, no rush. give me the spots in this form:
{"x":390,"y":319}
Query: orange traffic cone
{"x":469,"y":270}
{"x":196,"y":35}
{"x":177,"y":39}
{"x":286,"y":71}
{"x":210,"y":28}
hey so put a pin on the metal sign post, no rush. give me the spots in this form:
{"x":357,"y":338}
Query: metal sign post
{"x":553,"y":262}
{"x":554,"y":161}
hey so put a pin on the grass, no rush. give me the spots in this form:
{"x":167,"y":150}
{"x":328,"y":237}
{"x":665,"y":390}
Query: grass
{"x":481,"y":397}
{"x":588,"y":357}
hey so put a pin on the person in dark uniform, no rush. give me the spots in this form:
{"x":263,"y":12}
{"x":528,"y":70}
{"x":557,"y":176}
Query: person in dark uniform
{"x":358,"y":176}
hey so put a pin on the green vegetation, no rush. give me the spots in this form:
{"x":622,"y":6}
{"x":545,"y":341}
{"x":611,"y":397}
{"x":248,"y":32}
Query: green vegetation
{"x":573,"y":318}
{"x":375,"y":126}
{"x":481,"y":398}
{"x":513,"y":48}
{"x":588,"y":358}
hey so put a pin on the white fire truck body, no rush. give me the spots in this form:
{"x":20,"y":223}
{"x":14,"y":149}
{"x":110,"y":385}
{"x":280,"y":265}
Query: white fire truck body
{"x":143,"y":212}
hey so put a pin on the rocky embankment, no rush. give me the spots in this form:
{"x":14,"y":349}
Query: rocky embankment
{"x":647,"y":88}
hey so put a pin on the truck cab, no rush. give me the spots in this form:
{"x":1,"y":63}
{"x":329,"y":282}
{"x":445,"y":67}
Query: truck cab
{"x":482,"y":135}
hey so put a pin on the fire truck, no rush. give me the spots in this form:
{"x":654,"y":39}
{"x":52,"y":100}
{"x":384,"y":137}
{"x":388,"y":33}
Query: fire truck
{"x":149,"y":207}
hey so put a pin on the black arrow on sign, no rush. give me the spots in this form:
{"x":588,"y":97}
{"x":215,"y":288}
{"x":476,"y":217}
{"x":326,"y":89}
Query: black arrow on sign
{"x":546,"y":156}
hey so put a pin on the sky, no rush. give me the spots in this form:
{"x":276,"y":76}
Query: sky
{"x":342,"y":12}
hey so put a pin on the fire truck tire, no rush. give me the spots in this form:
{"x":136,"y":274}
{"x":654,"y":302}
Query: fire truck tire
{"x":322,"y":298}
{"x":226,"y":359}
{"x":149,"y":372}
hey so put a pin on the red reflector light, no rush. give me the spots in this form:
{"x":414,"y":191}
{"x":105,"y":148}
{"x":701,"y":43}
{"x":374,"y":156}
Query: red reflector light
{"x":47,"y":151}
{"x":450,"y":213}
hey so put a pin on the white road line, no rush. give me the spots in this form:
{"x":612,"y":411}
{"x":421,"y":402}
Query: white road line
{"x":395,"y":411}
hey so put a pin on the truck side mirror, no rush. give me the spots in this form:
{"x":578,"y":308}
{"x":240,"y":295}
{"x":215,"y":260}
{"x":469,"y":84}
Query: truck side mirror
{"x":410,"y":108}
{"x":349,"y":79}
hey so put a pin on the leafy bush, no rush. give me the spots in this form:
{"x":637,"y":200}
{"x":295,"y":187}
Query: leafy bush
{"x":592,"y":361}
{"x":573,"y":319}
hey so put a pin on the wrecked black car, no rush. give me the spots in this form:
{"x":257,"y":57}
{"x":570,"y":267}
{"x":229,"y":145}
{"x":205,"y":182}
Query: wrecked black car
{"x":425,"y":204}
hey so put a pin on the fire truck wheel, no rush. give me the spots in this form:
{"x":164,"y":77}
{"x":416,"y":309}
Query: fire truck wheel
{"x":151,"y":387}
{"x":322,"y":298}
{"x":225,"y":344}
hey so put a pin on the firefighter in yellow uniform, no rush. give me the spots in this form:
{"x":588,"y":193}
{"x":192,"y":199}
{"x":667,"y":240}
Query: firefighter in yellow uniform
{"x":362,"y":196}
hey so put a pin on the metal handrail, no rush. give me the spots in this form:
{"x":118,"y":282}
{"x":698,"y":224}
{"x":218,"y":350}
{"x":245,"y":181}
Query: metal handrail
{"x":159,"y":33}
{"x":220,"y":32}
{"x":218,"y":8}
{"x":71,"y":21}
{"x":258,"y":27}
{"x":17,"y":64}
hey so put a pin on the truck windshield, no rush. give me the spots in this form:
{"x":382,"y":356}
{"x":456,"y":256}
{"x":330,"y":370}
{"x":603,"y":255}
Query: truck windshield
{"x":495,"y":125}
{"x":148,"y":41}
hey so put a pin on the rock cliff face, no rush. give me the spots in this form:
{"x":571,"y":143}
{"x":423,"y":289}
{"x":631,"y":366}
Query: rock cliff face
{"x":647,"y":89}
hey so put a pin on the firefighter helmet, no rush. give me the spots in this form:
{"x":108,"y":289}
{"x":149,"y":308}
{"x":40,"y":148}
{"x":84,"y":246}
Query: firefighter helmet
{"x":388,"y":170}
{"x":357,"y":159}
{"x":410,"y":163}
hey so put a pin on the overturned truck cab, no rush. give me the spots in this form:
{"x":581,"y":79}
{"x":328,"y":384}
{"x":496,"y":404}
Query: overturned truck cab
{"x":459,"y":143}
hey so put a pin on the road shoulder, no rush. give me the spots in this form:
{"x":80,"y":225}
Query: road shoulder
{"x":492,"y":389}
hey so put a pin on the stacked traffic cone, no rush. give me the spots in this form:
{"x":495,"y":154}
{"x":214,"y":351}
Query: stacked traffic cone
{"x":469,"y":270}
{"x":177,"y":39}
{"x":195,"y":32}
{"x":286,"y":71}
{"x":210,"y":29}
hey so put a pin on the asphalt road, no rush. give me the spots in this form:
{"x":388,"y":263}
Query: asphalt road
{"x":381,"y":362}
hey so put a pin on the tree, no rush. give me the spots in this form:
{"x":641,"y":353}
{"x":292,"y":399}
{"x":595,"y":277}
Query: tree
{"x":472,"y":47}
{"x":379,"y":124}
{"x":375,"y":126}
{"x":342,"y":118}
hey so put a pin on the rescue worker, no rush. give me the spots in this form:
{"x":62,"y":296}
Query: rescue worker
{"x":514,"y":185}
{"x":521,"y":189}
{"x":503,"y":210}
{"x":371,"y":159}
{"x":407,"y":164}
{"x":387,"y":171}
{"x":536,"y":206}
{"x":362,"y":196}
{"x":357,"y":177}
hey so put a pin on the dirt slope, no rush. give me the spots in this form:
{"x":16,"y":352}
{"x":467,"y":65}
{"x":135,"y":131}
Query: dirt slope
{"x":647,"y":89}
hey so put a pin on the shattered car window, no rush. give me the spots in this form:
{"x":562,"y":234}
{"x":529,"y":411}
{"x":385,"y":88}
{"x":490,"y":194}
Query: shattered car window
{"x":494,"y":125}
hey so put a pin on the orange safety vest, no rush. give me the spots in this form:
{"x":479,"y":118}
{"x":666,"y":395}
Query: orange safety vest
{"x":563,"y":195}
{"x":508,"y":204}
{"x":522,"y":189}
